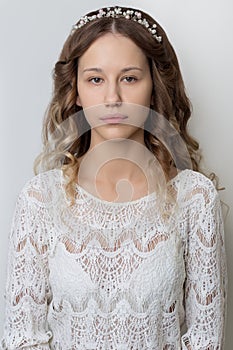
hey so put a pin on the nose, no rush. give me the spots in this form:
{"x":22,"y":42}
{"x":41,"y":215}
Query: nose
{"x":112,"y":95}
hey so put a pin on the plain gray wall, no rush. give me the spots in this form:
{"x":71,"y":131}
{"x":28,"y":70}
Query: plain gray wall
{"x":32,"y":34}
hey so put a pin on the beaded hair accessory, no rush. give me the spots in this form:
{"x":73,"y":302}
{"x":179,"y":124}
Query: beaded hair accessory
{"x":117,"y":12}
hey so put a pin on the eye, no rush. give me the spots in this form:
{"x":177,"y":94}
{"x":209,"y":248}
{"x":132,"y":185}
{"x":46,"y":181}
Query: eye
{"x":130,"y":79}
{"x":95,"y":80}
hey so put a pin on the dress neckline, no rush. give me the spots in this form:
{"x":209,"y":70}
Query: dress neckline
{"x":87,"y":195}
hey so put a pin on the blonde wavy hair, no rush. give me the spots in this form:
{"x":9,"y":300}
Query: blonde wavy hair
{"x":66,"y":132}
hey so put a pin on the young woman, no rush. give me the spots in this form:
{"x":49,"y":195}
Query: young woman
{"x":118,"y":242}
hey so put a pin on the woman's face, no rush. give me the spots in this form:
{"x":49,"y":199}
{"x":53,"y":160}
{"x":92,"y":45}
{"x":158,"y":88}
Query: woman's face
{"x":114,"y":88}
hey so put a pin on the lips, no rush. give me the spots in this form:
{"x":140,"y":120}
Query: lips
{"x":113,"y":118}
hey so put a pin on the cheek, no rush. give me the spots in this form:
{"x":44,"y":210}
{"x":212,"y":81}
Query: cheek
{"x":87,"y":97}
{"x":145,"y":98}
{"x":143,"y":95}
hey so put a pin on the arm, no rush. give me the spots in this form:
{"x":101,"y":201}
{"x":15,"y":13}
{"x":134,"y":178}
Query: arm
{"x":27,"y":289}
{"x":205,"y":287}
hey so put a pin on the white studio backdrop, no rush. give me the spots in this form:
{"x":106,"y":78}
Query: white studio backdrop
{"x":32,"y":34}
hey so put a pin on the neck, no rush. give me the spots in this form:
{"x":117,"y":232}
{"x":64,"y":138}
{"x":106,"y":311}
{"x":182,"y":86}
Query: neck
{"x":112,"y":161}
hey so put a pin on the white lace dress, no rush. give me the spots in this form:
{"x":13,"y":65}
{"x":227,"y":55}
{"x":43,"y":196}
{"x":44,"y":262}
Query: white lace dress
{"x":107,"y":275}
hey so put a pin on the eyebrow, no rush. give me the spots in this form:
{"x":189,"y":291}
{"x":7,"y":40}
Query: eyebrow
{"x":99,"y":70}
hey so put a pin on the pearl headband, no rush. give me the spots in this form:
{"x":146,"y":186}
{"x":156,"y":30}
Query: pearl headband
{"x":117,"y":12}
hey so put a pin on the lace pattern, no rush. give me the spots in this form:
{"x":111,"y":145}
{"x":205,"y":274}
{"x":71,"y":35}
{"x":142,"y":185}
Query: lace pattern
{"x":105,"y":275}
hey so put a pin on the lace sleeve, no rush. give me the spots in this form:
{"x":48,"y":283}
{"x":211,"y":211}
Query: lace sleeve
{"x":205,"y":288}
{"x":27,"y":289}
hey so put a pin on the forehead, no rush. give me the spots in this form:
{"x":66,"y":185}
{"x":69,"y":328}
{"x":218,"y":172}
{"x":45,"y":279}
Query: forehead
{"x":114,"y":48}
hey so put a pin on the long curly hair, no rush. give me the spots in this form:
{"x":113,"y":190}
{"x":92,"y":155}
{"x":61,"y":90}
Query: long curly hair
{"x":62,"y":149}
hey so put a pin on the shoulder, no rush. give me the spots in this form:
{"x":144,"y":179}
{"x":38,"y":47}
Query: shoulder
{"x":32,"y":210}
{"x":42,"y":187}
{"x":195,"y":188}
{"x":200,"y":213}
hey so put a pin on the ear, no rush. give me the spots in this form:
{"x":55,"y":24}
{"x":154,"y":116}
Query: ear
{"x":78,"y":101}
